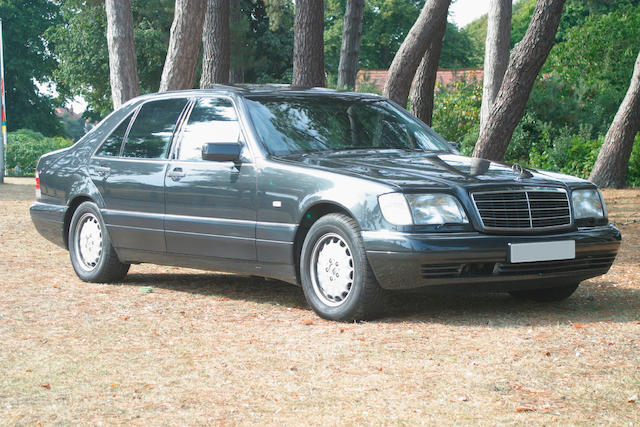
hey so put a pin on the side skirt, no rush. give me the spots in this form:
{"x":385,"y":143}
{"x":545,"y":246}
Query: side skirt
{"x":278,"y":271}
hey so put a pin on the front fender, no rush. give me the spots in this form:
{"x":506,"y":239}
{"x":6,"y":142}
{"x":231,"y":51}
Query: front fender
{"x":359,"y":202}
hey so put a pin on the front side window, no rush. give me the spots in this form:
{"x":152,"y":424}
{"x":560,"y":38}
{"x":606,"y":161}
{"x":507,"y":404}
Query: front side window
{"x":212,"y":120}
{"x":113,"y":143}
{"x":151,"y":132}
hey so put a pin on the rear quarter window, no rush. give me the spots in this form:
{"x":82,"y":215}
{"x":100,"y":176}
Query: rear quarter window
{"x":113,"y":143}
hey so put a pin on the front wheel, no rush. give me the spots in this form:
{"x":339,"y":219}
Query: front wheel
{"x":557,"y":293}
{"x":337,"y":279}
{"x":92,"y":256}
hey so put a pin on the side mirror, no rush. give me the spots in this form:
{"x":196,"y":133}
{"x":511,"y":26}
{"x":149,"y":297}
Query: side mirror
{"x":221,"y":151}
{"x":455,"y":145}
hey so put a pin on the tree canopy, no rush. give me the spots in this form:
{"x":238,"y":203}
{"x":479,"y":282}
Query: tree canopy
{"x":581,"y":86}
{"x":385,"y":25}
{"x":28,"y":59}
{"x":81,"y":49}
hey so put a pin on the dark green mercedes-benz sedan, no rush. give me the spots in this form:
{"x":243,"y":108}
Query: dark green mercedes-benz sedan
{"x":346,"y":194}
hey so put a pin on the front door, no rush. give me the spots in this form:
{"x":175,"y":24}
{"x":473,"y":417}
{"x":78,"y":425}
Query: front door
{"x":210,"y":206}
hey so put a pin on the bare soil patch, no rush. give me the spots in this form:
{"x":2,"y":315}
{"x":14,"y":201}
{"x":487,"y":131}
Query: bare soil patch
{"x":172,"y":346}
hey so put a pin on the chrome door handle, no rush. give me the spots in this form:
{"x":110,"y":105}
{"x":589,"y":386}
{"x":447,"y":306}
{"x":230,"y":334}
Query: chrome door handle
{"x":102,"y":170}
{"x":176,"y":174}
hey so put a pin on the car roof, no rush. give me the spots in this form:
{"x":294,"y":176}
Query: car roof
{"x":259,"y":90}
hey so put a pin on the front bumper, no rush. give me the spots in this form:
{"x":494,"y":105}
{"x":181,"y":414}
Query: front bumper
{"x":406,"y":261}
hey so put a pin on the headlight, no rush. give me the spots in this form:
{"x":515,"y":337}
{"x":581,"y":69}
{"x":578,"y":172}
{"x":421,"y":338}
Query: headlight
{"x":433,"y":209}
{"x":436,"y":209}
{"x":587,"y":204}
{"x":395,"y":209}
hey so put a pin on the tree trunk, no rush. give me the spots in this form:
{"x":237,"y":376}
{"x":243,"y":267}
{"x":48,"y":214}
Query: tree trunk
{"x":496,"y":56}
{"x":216,"y":44}
{"x":184,"y":45}
{"x":407,"y":59}
{"x":350,"y":51}
{"x":237,"y":30}
{"x":123,"y":66}
{"x":422,"y":94}
{"x":308,"y":44}
{"x":525,"y":63}
{"x":610,"y":169}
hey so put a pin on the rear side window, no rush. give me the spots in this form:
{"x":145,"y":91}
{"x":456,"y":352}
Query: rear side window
{"x":112,"y":145}
{"x":151,"y":132}
{"x":212,"y":120}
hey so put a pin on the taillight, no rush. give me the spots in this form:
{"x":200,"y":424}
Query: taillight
{"x":38,"y":192}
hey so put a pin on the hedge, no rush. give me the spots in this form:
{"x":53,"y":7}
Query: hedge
{"x":24,"y":148}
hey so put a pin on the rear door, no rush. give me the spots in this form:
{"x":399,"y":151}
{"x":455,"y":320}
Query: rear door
{"x":210,"y":205}
{"x":130,"y":176}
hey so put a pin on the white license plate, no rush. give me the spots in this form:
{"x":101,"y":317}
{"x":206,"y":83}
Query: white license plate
{"x":542,"y":251}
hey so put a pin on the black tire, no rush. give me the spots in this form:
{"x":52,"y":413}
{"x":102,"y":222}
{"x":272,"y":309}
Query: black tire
{"x":91,"y":263}
{"x":557,"y":293}
{"x":358,"y":295}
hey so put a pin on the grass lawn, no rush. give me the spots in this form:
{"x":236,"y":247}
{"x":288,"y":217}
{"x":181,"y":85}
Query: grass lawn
{"x":172,"y":346}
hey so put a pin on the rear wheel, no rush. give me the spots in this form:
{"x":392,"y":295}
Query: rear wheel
{"x":336,"y":277}
{"x":92,"y":256}
{"x":558,"y":293}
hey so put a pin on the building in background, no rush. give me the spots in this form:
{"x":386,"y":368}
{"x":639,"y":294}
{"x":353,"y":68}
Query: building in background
{"x":374,"y":80}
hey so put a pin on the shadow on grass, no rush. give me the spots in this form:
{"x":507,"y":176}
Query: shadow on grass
{"x":594,"y":301}
{"x":242,"y":288}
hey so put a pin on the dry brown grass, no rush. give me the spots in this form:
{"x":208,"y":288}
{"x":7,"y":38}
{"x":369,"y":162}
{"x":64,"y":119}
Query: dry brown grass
{"x":205,"y":348}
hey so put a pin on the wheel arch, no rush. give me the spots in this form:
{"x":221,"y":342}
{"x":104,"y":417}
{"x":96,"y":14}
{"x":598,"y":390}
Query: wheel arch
{"x":71,"y":208}
{"x":312,"y":214}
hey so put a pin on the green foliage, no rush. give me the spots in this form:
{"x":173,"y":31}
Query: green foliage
{"x":264,"y":49}
{"x":367,"y":86}
{"x":633,"y":173}
{"x":596,"y":59}
{"x":268,"y":51}
{"x":476,"y":31}
{"x":521,"y":16}
{"x":530,"y":134}
{"x":81,"y":47}
{"x":457,"y":49}
{"x":456,"y":111}
{"x":575,"y":154}
{"x":570,"y":153}
{"x":574,"y":14}
{"x":572,"y":106}
{"x":582,"y":84}
{"x":385,"y":25}
{"x":25,"y":147}
{"x":28,"y":59}
{"x":536,"y":142}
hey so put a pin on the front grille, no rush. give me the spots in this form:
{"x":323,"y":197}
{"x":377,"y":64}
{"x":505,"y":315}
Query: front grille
{"x":523,"y":209}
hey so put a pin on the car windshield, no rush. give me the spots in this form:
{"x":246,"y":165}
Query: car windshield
{"x":303,"y":124}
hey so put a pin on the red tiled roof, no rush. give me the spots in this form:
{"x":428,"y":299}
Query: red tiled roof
{"x":445,"y":76}
{"x":63,"y":111}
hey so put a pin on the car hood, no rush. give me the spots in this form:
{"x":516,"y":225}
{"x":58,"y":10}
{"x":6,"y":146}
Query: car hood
{"x":418,"y":170}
